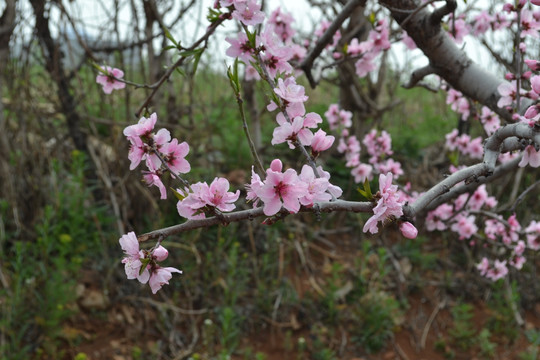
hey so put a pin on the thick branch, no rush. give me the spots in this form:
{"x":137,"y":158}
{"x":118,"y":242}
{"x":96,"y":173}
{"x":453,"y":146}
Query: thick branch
{"x":225,"y":218}
{"x":506,"y":137}
{"x":447,"y":60}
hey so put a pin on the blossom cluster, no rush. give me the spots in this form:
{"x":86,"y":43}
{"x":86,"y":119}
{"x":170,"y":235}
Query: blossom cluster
{"x":378,"y":146}
{"x":143,"y":264}
{"x":289,"y":189}
{"x":158,"y":150}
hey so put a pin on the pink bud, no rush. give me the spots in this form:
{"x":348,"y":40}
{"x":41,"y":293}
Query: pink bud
{"x":533,"y":64}
{"x":276,"y":165}
{"x":408,"y":230}
{"x":160,"y":253}
{"x":535,"y":2}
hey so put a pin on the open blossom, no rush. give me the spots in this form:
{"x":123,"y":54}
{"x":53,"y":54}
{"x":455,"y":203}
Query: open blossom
{"x":219,"y":196}
{"x":332,"y":189}
{"x":248,"y":12}
{"x":281,"y":22}
{"x":132,"y":260}
{"x":253,"y":187}
{"x":152,"y":177}
{"x":508,"y":94}
{"x":109,"y":81}
{"x":498,"y":271}
{"x":240,"y":47}
{"x":289,"y":91}
{"x":321,"y":142}
{"x":161,"y":276}
{"x":389,"y":204}
{"x":530,"y":157}
{"x":533,"y":235}
{"x":483,"y":266}
{"x":291,"y":132}
{"x":465,"y":226}
{"x":202,"y":196}
{"x":175,"y":154}
{"x":281,"y":189}
{"x":316,"y":187}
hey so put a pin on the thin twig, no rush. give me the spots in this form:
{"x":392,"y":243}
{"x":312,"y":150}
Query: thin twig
{"x":252,"y":148}
{"x":522,"y":196}
{"x":423,"y":339}
{"x":326,"y":38}
{"x":211,"y":29}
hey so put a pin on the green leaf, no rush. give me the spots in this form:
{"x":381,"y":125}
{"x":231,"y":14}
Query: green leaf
{"x":213,"y":15}
{"x":169,"y":36}
{"x":366,"y":192}
{"x":232,"y":74}
{"x":145,"y":263}
{"x":178,"y":195}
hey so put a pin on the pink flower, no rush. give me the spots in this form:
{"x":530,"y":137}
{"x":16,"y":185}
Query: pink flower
{"x":143,"y":128}
{"x":517,"y":261}
{"x":240,"y":48}
{"x":332,"y":189}
{"x":361,"y":172}
{"x":175,"y":156}
{"x":389,"y":204}
{"x":530,"y":157}
{"x":389,"y":165}
{"x":191,"y":207}
{"x":321,"y":141}
{"x":508,"y":94}
{"x":153,"y":177}
{"x":535,"y":83}
{"x":253,"y":187}
{"x":291,"y":132}
{"x":289,"y":91}
{"x":533,"y":235}
{"x":534,"y":65}
{"x":365,"y":65}
{"x":136,"y":151}
{"x":435,"y":219}
{"x":132,"y":260}
{"x":281,"y":189}
{"x":483,"y":266}
{"x":477,"y":200}
{"x":109,"y":81}
{"x":316,"y":187}
{"x":498,"y":271}
{"x":219,"y":196}
{"x":465,"y":227}
{"x":161,"y":276}
{"x":248,"y":12}
{"x":408,"y":230}
{"x":281,"y":23}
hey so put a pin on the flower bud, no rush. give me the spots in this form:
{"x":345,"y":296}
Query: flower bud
{"x":408,"y":230}
{"x":160,"y":253}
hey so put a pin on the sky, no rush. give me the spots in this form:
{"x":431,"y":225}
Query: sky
{"x":92,"y":19}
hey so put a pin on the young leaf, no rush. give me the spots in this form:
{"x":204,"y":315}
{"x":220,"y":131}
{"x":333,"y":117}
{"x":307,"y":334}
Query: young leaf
{"x":178,"y":195}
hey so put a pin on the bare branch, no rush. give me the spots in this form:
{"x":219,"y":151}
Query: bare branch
{"x":338,"y":205}
{"x":326,"y":39}
{"x":418,"y":75}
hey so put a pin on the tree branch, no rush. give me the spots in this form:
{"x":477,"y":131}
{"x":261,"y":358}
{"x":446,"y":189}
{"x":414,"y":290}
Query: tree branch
{"x":326,"y":39}
{"x":226,"y":218}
